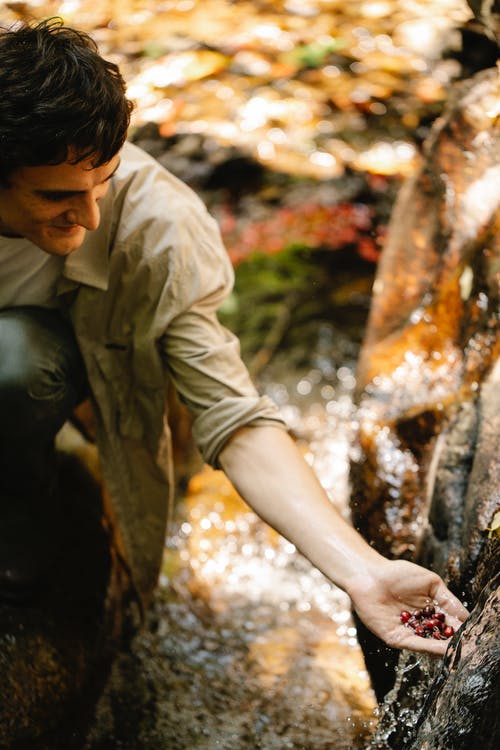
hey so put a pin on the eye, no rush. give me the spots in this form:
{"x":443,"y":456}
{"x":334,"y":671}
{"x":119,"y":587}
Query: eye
{"x":55,"y":196}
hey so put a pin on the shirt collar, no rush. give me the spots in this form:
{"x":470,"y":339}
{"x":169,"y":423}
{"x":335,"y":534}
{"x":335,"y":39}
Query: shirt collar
{"x":90,"y":263}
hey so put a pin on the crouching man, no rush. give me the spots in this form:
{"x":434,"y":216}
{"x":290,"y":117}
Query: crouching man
{"x":110,"y":277}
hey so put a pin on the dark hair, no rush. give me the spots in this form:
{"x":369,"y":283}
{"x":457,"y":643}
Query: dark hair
{"x":57,"y":93}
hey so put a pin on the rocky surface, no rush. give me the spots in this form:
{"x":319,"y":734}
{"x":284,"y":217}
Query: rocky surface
{"x":427,"y":483}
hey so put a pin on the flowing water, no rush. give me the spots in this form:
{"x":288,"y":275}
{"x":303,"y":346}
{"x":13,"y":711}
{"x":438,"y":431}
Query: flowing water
{"x":248,"y":646}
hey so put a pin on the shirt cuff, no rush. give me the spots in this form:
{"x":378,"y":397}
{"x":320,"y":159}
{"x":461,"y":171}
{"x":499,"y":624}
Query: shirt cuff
{"x":213,"y":428}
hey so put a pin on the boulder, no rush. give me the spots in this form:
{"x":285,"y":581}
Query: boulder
{"x":426,"y":480}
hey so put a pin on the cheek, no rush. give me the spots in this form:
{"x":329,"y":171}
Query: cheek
{"x":43,"y":214}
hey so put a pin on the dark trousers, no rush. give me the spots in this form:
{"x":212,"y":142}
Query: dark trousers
{"x":42,"y":378}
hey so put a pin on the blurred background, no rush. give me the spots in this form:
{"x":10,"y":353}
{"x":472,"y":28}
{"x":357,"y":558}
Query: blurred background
{"x":296,"y":121}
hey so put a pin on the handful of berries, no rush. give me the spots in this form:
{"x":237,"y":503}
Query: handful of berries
{"x":427,"y":623}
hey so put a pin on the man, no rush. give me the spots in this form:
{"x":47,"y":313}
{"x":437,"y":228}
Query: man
{"x":111,"y":273}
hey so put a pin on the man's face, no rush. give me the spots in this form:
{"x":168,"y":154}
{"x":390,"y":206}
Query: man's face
{"x":54,"y":205}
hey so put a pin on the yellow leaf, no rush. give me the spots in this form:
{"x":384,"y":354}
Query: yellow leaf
{"x":494,"y":529}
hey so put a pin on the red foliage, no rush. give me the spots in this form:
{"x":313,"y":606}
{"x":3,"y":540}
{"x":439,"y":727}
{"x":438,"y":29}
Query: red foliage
{"x":310,"y":225}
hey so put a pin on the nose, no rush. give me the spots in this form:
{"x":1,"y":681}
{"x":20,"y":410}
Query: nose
{"x":84,"y":212}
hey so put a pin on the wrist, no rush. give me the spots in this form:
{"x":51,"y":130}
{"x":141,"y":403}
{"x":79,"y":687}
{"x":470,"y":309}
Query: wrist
{"x":366,"y":575}
{"x":350,"y":562}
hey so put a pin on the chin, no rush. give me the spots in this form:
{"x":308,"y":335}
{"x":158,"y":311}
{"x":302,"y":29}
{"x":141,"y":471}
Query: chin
{"x":64,"y":245}
{"x":61,"y":251}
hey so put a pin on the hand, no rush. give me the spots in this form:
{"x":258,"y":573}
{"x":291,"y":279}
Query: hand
{"x":267,"y":469}
{"x":393,"y":586}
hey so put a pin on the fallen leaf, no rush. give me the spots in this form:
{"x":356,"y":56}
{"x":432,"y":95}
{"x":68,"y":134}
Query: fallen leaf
{"x":494,"y":529}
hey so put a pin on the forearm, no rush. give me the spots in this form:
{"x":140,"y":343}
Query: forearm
{"x":267,"y":469}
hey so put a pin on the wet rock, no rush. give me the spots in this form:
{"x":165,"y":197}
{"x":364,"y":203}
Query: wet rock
{"x":432,"y":334}
{"x":427,"y":483}
{"x":462,"y":706}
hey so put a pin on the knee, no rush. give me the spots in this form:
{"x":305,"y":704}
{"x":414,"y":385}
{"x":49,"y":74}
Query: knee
{"x":34,"y":379}
{"x":28,"y":388}
{"x":24,"y":360}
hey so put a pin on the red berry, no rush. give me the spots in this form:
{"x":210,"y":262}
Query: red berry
{"x":417,"y":614}
{"x":448,"y":631}
{"x":440,"y":616}
{"x":405,"y":616}
{"x":428,"y":610}
{"x":420,"y":630}
{"x":428,"y":625}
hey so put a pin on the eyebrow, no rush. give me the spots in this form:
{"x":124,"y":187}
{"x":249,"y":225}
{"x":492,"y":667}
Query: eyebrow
{"x":70,"y":193}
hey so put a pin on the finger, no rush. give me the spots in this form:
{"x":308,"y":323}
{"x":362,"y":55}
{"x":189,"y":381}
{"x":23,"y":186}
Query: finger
{"x":449,"y":603}
{"x":405,"y":639}
{"x":425,"y":645}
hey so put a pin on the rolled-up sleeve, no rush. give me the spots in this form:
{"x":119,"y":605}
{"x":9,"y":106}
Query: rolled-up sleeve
{"x":202,"y":357}
{"x":204,"y":362}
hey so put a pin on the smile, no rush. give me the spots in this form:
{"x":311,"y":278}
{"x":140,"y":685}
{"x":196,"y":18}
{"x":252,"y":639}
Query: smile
{"x":66,"y":229}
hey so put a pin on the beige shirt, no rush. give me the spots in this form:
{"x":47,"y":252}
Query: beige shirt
{"x":28,"y":275}
{"x":142,"y":292}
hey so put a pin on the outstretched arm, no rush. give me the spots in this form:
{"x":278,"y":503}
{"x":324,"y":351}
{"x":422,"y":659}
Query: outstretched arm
{"x":267,"y":469}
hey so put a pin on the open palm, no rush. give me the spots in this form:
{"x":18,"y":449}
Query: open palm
{"x":400,"y":585}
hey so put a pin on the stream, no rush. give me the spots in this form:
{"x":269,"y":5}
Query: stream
{"x":247,"y":645}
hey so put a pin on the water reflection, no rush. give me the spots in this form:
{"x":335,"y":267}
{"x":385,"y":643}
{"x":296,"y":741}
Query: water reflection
{"x":248,"y":646}
{"x":284,"y":636}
